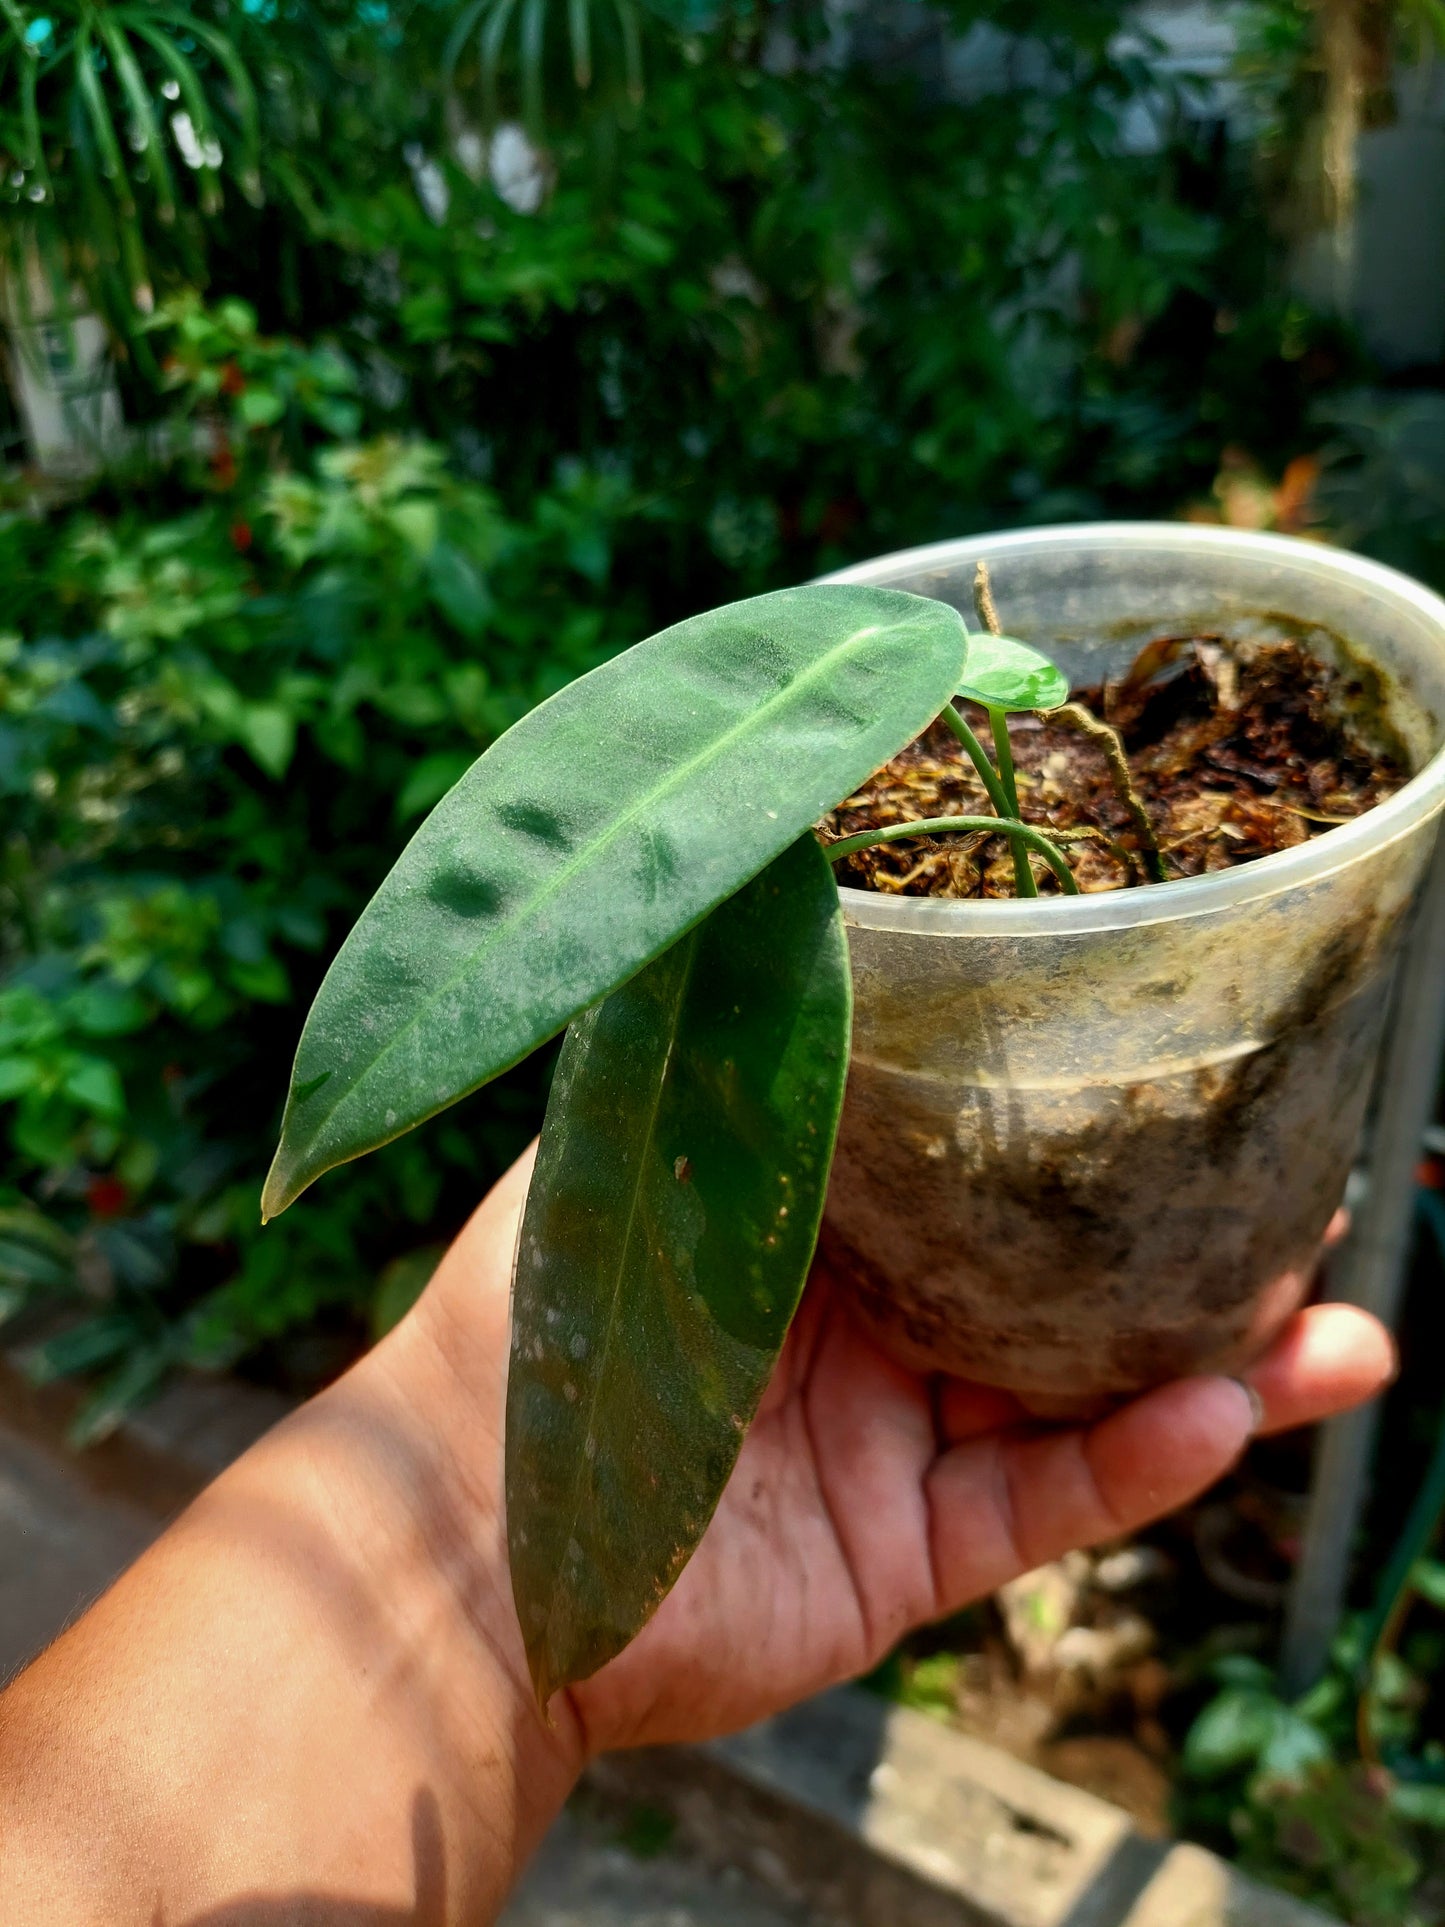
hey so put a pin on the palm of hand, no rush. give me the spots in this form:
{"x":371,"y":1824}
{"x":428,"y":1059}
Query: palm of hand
{"x":868,"y":1499}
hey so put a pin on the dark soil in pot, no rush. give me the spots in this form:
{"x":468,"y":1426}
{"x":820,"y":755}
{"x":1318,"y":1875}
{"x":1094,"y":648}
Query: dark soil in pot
{"x":1235,"y":754}
{"x":1077,"y":1238}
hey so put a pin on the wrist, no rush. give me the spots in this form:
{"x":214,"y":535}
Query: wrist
{"x":408,"y":1466}
{"x":312,"y":1687}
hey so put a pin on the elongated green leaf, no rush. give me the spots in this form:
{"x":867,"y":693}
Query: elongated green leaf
{"x":579,"y":32}
{"x":192,"y":96}
{"x":1004,"y":674}
{"x":30,"y":120}
{"x":143,"y":117}
{"x":593,"y":834}
{"x":14,"y":17}
{"x":631,"y":47}
{"x":460,"y":33}
{"x":533,"y":27}
{"x":490,"y":50}
{"x":222,"y":50}
{"x":34,"y":1253}
{"x":102,"y":126}
{"x":668,"y":1232}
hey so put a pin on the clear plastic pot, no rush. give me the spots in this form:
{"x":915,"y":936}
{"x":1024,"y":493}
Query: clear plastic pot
{"x":1091,"y":1143}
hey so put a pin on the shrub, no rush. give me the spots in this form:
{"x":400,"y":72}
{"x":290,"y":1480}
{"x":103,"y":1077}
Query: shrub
{"x":781,"y":320}
{"x":218,"y":727}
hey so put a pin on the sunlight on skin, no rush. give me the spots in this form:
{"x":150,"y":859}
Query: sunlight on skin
{"x":309,"y":1699}
{"x":868,"y":1499}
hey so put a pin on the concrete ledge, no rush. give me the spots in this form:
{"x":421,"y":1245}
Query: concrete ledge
{"x":874,"y":1815}
{"x":162,"y":1455}
{"x":1193,"y":1888}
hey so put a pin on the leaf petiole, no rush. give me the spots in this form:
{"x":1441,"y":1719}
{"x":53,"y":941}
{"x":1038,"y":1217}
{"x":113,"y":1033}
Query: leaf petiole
{"x":978,"y":755}
{"x":1000,"y":783}
{"x":1018,"y":833}
{"x":1003,"y":749}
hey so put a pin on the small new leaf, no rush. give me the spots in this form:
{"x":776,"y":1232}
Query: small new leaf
{"x":668,"y":1232}
{"x":1008,"y":675}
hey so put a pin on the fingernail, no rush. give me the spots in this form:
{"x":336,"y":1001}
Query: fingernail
{"x":1256,"y":1405}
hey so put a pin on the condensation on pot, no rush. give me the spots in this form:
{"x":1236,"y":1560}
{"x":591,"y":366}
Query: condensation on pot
{"x":1091,"y":1143}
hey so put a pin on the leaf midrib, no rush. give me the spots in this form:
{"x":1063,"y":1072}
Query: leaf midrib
{"x":624,"y":1249}
{"x":569,"y":869}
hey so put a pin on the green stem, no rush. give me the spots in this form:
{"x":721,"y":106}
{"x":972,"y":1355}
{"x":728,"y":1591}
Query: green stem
{"x":979,"y":757}
{"x":1003,"y":749}
{"x":1018,"y":833}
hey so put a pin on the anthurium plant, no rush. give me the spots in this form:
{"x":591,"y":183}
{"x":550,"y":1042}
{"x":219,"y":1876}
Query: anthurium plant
{"x":635,"y":862}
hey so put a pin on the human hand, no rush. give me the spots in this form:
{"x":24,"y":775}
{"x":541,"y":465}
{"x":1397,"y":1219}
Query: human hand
{"x":310,"y":1694}
{"x":868,"y":1499}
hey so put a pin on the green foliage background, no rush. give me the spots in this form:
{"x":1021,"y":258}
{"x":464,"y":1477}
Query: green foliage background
{"x":399,"y":474}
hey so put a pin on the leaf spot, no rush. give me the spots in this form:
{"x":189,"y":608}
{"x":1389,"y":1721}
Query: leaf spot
{"x":682,"y":1170}
{"x":569,"y":1392}
{"x":464,"y":892}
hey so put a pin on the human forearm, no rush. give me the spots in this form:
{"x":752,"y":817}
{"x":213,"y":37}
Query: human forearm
{"x":313,"y":1689}
{"x":311,"y":1685}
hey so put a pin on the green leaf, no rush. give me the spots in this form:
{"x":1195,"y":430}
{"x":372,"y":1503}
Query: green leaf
{"x":145,"y":127}
{"x":107,"y":145}
{"x":243,"y":93}
{"x":591,"y":836}
{"x":17,"y":1074}
{"x":667,"y":1236}
{"x":1232,"y":1732}
{"x":579,"y":32}
{"x":192,"y":94}
{"x":459,"y":589}
{"x":34,"y":1253}
{"x":1008,"y":675}
{"x":84,"y":1348}
{"x":105,"y":1010}
{"x":1427,"y":1576}
{"x":1422,"y":1804}
{"x":95,"y":1085}
{"x":1295,"y":1745}
{"x":260,"y":407}
{"x":134,"y":1381}
{"x":269,"y":732}
{"x":430,"y":779}
{"x":534,"y":19}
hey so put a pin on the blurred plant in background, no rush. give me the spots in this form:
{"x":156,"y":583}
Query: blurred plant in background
{"x":219,"y":716}
{"x":461,"y":343}
{"x":471,"y":427}
{"x":428,"y":409}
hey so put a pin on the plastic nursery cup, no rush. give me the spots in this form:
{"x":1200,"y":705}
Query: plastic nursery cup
{"x":1091,"y":1143}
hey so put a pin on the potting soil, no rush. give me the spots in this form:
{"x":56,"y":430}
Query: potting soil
{"x":1236,"y":752}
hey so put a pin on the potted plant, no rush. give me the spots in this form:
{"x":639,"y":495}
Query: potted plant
{"x":1090,"y":1140}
